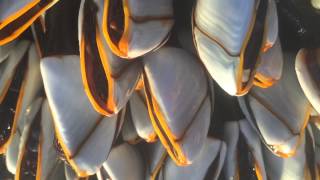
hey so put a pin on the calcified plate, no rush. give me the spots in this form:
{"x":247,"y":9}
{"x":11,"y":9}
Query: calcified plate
{"x":159,"y":89}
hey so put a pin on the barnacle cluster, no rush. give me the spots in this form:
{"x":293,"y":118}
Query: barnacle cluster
{"x":159,"y":89}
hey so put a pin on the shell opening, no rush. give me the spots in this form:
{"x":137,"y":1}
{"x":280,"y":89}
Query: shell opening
{"x":18,"y":23}
{"x":116,"y":20}
{"x":94,"y":68}
{"x":253,"y":47}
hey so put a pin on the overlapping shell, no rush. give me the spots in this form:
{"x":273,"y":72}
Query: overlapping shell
{"x":178,"y":101}
{"x":16,"y":16}
{"x":229,"y":44}
{"x":133,"y":28}
{"x":108,"y":80}
{"x":76,"y":132}
{"x":244,"y":151}
{"x":307,"y":66}
{"x":279,"y":113}
{"x":128,"y":89}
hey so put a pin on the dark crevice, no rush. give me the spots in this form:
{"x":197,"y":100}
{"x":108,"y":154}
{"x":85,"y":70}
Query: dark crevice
{"x":61,"y":36}
{"x":96,"y":77}
{"x":29,"y":161}
{"x":9,"y":104}
{"x":252,"y":50}
{"x":116,"y":20}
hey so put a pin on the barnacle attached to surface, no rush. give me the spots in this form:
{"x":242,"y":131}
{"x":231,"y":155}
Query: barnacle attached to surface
{"x":178,"y":101}
{"x":147,"y":89}
{"x":133,"y":28}
{"x":108,"y":80}
{"x":280,"y":113}
{"x":229,"y":44}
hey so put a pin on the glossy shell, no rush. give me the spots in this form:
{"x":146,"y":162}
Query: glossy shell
{"x":236,"y":135}
{"x":307,"y":66}
{"x":16,"y":16}
{"x":125,"y":162}
{"x":140,"y":117}
{"x":212,"y":155}
{"x":77,"y":132}
{"x":295,"y":168}
{"x":178,"y":102}
{"x":108,"y":80}
{"x":270,"y":67}
{"x":280,"y":113}
{"x":222,"y":39}
{"x":145,"y":25}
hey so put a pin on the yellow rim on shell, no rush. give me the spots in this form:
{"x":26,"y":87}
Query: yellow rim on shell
{"x":20,"y":13}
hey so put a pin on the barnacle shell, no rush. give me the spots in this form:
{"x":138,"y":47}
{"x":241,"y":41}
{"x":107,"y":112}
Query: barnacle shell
{"x":17,"y":15}
{"x":85,"y":136}
{"x":280,"y":113}
{"x":108,"y":80}
{"x":178,"y":102}
{"x":125,"y":162}
{"x":234,"y":131}
{"x":307,"y":67}
{"x":229,"y":36}
{"x":213,"y":151}
{"x":145,"y":25}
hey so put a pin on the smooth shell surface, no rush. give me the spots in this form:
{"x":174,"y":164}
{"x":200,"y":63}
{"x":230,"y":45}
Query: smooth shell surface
{"x":234,"y":130}
{"x":12,"y":153}
{"x":286,"y":168}
{"x":141,"y":118}
{"x":229,"y":29}
{"x":306,"y":78}
{"x":146,"y":26}
{"x":125,"y":162}
{"x":178,"y":85}
{"x":271,"y":65}
{"x":271,"y":26}
{"x":128,"y":132}
{"x":223,"y":31}
{"x":51,"y":167}
{"x":213,"y":151}
{"x":178,"y":102}
{"x":220,"y":65}
{"x":280,"y":113}
{"x":85,"y":136}
{"x":120,"y":76}
{"x":231,"y":137}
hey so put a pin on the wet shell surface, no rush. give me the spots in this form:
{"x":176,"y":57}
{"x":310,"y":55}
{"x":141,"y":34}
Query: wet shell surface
{"x":280,"y":113}
{"x":133,"y":28}
{"x":159,"y":89}
{"x":76,"y":132}
{"x":177,"y":108}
